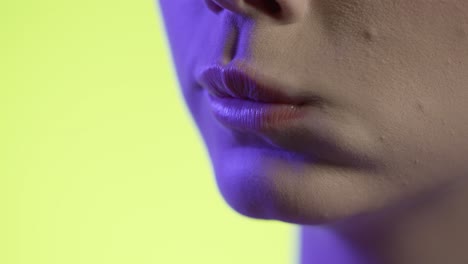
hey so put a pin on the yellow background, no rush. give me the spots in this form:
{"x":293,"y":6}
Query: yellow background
{"x":100,"y":161}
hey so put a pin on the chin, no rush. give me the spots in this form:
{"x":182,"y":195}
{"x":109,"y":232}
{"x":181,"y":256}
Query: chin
{"x":259,"y":196}
{"x":262,"y":183}
{"x":255,"y":200}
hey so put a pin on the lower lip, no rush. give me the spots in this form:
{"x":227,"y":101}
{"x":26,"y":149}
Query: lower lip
{"x":251,"y":115}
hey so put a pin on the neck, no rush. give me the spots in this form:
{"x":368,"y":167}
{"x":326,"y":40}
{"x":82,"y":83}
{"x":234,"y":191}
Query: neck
{"x":429,"y":232}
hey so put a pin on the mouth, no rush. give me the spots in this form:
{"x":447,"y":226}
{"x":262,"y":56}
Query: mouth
{"x":245,"y":99}
{"x":249,"y":84}
{"x":254,"y":116}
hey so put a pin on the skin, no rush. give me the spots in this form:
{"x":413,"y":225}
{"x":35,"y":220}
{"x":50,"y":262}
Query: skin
{"x":393,"y":74}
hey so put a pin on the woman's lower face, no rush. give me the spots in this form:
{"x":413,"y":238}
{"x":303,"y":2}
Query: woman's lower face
{"x":392,"y":80}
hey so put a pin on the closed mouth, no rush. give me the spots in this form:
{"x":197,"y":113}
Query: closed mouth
{"x":248,"y":84}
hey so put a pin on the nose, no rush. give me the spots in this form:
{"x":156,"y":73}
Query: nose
{"x":285,"y":10}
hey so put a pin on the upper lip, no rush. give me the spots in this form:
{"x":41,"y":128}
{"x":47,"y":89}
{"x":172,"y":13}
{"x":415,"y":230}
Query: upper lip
{"x":233,"y":82}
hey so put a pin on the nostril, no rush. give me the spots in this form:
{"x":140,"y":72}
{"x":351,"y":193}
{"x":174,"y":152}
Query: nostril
{"x":270,"y":7}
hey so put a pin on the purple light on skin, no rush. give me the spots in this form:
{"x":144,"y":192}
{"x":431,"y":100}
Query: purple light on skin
{"x":329,"y":249}
{"x":391,"y":131}
{"x":321,"y":245}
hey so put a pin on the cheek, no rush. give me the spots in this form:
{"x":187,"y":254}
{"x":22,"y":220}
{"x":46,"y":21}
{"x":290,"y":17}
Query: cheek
{"x":422,"y":126}
{"x":415,"y":81}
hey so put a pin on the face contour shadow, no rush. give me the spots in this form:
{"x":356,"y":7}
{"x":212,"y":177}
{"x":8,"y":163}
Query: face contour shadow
{"x":392,"y":124}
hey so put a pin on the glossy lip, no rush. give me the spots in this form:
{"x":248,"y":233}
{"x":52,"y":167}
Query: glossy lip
{"x":249,"y":115}
{"x":243,"y":102}
{"x":248,"y":84}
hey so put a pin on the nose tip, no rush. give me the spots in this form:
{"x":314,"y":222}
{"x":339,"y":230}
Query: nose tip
{"x":252,"y":8}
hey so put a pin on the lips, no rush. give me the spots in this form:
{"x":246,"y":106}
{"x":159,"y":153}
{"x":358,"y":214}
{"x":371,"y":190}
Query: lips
{"x":246,"y":101}
{"x":248,"y":84}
